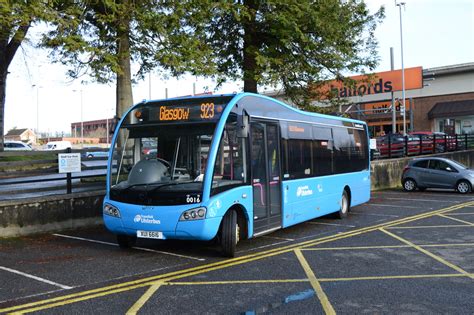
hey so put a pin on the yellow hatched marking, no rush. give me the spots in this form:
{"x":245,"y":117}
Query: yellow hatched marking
{"x":428,"y":227}
{"x":384,"y":247}
{"x":441,"y":260}
{"x":355,"y":247}
{"x":328,"y":309}
{"x":448,"y":275}
{"x":131,"y":285}
{"x":456,"y":219}
{"x":238,"y":282}
{"x":393,"y":277}
{"x":144,"y":298}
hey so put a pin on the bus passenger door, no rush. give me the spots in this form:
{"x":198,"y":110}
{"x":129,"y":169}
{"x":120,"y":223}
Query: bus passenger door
{"x":266,"y":177}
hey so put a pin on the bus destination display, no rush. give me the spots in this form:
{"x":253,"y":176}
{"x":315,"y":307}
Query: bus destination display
{"x":206,"y":111}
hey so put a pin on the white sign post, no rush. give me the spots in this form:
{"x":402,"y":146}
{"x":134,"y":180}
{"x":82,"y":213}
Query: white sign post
{"x":69,"y":162}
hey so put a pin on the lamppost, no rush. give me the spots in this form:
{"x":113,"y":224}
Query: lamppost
{"x":37,"y":106}
{"x":399,"y":5}
{"x":82,"y":120}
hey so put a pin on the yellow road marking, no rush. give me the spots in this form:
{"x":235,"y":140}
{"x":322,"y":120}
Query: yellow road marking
{"x":456,"y":219}
{"x":271,"y":281}
{"x":131,"y":285}
{"x":384,"y":247}
{"x":428,"y":227}
{"x":438,"y":258}
{"x":449,"y":275}
{"x":145,"y":297}
{"x":238,"y":282}
{"x":328,"y":309}
{"x":355,"y":247}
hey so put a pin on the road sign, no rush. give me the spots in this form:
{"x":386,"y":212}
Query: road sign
{"x":69,"y":162}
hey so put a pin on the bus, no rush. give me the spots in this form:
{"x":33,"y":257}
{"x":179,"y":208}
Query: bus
{"x":230,"y":167}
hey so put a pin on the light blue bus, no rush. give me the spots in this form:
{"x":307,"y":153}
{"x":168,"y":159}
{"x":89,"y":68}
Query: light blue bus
{"x":230,"y":167}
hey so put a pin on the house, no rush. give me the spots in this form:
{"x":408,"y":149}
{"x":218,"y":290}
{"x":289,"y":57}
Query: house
{"x":25,"y":135}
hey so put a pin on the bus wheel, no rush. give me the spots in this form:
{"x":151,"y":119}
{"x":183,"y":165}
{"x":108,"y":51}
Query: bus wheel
{"x":229,"y":233}
{"x":342,"y":213}
{"x":126,"y":241}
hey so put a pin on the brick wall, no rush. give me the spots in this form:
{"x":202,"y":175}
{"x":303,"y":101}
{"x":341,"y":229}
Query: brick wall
{"x":424,"y":104}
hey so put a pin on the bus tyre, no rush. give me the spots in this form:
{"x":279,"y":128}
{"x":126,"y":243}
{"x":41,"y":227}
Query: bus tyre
{"x":229,"y":233}
{"x":344,"y":206}
{"x":463,"y":187}
{"x":126,"y":241}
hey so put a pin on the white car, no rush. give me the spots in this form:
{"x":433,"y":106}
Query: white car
{"x":16,"y":146}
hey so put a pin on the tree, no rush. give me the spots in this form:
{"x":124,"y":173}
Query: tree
{"x":102,"y":38}
{"x":16,"y":18}
{"x":295,"y":44}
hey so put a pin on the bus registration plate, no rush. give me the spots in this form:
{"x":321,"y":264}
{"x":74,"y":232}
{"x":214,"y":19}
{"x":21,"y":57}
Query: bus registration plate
{"x":150,"y":234}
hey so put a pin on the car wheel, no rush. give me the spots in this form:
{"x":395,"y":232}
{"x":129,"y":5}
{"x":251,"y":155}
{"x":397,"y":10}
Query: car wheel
{"x":409,"y":185}
{"x":463,"y":187}
{"x":345,"y":206}
{"x":229,"y":233}
{"x":126,"y":241}
{"x":90,"y":156}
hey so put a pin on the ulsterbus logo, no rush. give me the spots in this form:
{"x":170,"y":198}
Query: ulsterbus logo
{"x":303,"y":191}
{"x":147,"y":219}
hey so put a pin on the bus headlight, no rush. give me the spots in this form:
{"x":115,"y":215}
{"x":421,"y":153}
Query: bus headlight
{"x":111,"y":210}
{"x":193,"y":214}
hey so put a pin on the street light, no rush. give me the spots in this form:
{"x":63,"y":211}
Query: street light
{"x":82,"y":120}
{"x":37,"y":106}
{"x":399,"y":5}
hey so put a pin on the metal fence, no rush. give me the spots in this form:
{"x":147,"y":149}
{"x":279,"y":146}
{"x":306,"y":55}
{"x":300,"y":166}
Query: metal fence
{"x":393,"y":146}
{"x":26,"y":174}
{"x":32,"y":174}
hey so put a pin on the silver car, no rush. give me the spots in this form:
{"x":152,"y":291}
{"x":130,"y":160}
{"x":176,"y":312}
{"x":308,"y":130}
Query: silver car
{"x":435,"y":172}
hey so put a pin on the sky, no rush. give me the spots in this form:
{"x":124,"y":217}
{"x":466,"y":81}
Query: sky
{"x":39,"y":94}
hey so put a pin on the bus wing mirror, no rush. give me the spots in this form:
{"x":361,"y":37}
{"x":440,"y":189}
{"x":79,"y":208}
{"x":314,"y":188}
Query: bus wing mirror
{"x":243,"y":125}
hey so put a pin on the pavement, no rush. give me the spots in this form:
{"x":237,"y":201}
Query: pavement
{"x":399,"y":253}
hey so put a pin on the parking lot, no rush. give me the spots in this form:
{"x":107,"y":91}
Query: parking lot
{"x":399,"y":253}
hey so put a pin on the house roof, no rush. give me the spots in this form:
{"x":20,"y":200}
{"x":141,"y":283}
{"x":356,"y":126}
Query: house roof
{"x":16,"y":132}
{"x":452,"y":109}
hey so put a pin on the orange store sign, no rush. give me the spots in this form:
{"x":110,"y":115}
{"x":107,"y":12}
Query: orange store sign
{"x":381,"y":82}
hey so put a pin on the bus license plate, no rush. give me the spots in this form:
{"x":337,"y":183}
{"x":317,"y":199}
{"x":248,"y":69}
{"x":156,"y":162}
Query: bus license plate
{"x":150,"y":234}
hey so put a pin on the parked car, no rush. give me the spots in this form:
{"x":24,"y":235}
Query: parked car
{"x":58,"y":145}
{"x":95,"y":152}
{"x":16,"y":146}
{"x":434,"y":172}
{"x":396,"y":148}
{"x":441,"y":141}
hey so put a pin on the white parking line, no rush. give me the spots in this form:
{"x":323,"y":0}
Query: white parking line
{"x":331,"y":224}
{"x":278,"y":238}
{"x":386,"y":205}
{"x":375,"y":214}
{"x":138,"y":248}
{"x":62,"y":286}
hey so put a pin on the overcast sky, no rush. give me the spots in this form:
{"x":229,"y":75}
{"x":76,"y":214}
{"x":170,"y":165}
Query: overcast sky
{"x":435,"y":33}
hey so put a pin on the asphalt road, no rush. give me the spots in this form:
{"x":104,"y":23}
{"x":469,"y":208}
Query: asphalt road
{"x":399,"y":253}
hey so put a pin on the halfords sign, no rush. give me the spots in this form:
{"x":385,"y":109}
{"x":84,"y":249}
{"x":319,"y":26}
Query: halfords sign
{"x":381,"y":82}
